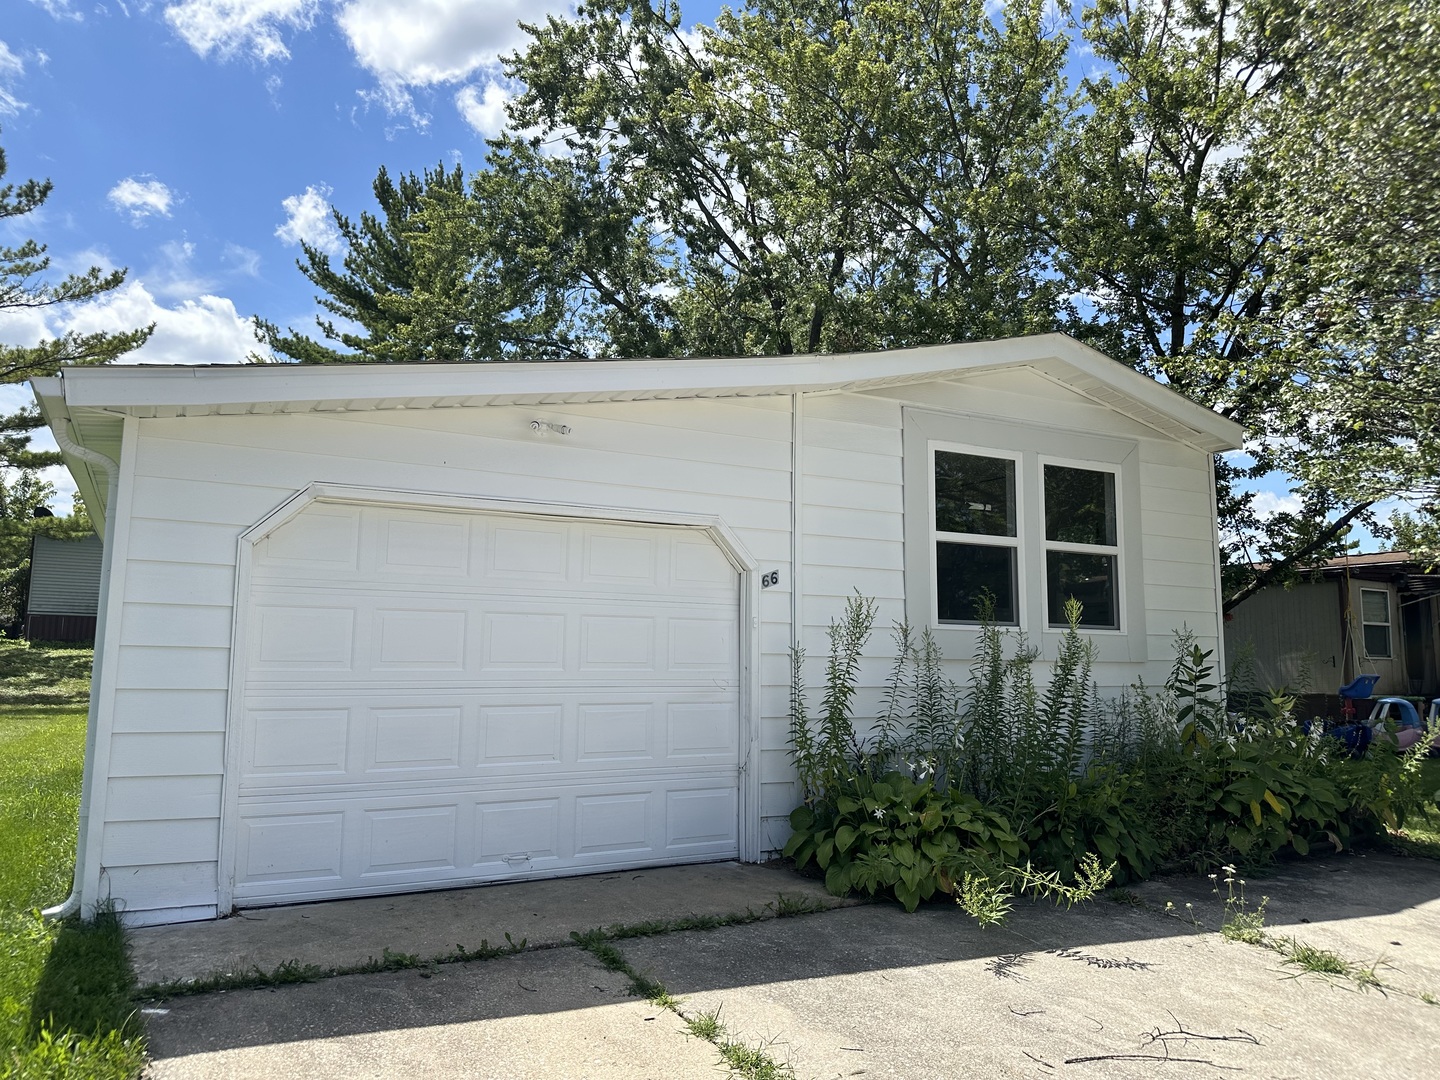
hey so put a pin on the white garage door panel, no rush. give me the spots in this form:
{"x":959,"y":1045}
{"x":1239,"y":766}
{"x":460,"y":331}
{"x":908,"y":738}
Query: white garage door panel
{"x":297,"y":847}
{"x":435,"y":698}
{"x":329,"y":740}
{"x":420,"y":549}
{"x":301,"y":639}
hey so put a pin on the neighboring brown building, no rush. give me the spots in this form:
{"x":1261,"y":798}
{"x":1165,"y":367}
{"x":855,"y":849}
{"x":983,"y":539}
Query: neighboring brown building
{"x":1359,"y":614}
{"x":64,"y":589}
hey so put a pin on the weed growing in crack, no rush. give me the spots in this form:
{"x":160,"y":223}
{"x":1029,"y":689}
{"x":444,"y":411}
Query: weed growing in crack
{"x":1240,"y":922}
{"x":1188,"y":914}
{"x":748,"y":1062}
{"x":293,"y":971}
{"x":705,"y":1025}
{"x":1308,"y":960}
{"x":754,"y":1062}
{"x":1246,"y":924}
{"x":786,"y":907}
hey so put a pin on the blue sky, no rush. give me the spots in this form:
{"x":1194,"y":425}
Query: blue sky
{"x":197,"y":141}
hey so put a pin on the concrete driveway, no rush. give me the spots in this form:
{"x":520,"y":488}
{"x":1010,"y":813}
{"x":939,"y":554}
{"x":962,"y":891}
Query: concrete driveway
{"x":1114,"y":989}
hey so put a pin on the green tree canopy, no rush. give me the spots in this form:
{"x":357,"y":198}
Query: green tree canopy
{"x":828,"y":175}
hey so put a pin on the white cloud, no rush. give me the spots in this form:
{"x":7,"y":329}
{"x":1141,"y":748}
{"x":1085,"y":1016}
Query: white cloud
{"x":1269,"y":503}
{"x":59,"y":9}
{"x":424,"y":42}
{"x":141,"y":199}
{"x":233,"y":27}
{"x":308,"y":219}
{"x":173,"y":274}
{"x":11,"y":69}
{"x":202,"y":330}
{"x":484,"y":110}
{"x":395,"y":99}
{"x":242,"y":260}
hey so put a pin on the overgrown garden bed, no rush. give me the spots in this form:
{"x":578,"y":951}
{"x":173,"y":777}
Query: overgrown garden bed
{"x":1008,"y":786}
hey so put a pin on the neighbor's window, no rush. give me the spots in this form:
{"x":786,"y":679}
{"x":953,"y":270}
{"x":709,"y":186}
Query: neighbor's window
{"x":1375,"y":621}
{"x":1082,"y":550}
{"x":976,"y":537}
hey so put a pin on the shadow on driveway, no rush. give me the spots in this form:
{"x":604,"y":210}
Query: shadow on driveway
{"x":1112,"y":988}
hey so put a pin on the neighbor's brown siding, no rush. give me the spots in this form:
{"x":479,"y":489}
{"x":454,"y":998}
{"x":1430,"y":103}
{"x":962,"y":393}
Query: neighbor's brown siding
{"x":60,"y":627}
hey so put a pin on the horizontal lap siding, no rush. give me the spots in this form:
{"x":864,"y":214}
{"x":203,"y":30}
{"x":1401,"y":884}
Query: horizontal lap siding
{"x":1176,"y":501}
{"x":200,"y":483}
{"x":854,"y":531}
{"x":853,"y":538}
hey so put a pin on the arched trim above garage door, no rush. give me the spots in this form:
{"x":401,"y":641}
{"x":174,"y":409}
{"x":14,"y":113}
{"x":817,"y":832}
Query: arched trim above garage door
{"x":713,"y":528}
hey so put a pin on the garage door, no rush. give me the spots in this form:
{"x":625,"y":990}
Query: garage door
{"x":433,"y":698}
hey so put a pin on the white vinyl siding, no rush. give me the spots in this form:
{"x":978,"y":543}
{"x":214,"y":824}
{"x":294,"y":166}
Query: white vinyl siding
{"x":199,"y":483}
{"x":198,"y":486}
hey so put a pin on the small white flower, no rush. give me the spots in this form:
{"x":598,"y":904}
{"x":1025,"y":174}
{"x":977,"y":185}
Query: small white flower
{"x":879,"y":814}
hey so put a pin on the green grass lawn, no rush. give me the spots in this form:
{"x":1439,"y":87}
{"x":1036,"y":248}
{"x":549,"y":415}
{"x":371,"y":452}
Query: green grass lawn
{"x":65,"y":989}
{"x":44,"y":673}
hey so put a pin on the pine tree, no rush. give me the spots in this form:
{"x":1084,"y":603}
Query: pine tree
{"x":23,"y":287}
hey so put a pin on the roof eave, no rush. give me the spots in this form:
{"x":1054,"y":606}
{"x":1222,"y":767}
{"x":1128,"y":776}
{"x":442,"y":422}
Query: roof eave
{"x":185,"y":390}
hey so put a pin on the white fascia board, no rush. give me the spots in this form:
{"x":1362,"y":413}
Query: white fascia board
{"x":1226,"y":433}
{"x":214,"y":387}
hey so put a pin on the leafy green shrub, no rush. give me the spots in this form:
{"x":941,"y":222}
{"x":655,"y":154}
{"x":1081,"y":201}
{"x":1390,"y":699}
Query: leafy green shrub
{"x":898,"y":835}
{"x":1267,"y":792}
{"x":1106,"y":812}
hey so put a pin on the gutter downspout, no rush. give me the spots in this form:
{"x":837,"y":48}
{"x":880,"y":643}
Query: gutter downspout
{"x":61,"y":429}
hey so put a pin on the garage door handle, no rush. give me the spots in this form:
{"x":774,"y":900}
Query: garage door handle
{"x":513,"y":859}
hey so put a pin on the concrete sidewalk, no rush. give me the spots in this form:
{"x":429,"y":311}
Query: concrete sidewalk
{"x":1109,"y":990}
{"x":430,"y":925}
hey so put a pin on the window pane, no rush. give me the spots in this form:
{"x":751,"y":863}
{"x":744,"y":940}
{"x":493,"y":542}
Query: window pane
{"x":1089,"y":579}
{"x":1374,"y":606}
{"x":1377,"y":641}
{"x":1079,"y":505}
{"x":974,"y":494}
{"x":964,"y":573}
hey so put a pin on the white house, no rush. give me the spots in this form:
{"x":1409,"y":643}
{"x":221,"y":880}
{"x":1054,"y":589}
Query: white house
{"x":373,"y":628}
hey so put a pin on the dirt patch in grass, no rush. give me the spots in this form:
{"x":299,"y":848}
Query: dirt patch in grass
{"x":44,"y":673}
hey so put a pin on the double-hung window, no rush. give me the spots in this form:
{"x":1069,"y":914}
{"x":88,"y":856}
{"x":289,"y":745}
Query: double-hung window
{"x":1082,"y":545}
{"x":976,"y":537}
{"x":1375,"y":622}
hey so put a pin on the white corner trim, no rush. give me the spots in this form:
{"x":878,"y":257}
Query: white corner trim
{"x":107,"y":659}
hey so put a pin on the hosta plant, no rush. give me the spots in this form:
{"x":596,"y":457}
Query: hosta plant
{"x":897,"y":835}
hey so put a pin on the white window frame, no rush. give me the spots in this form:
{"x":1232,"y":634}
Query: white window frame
{"x":926,"y":429}
{"x":979,"y":539}
{"x":1389,"y":625}
{"x":1117,"y":549}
